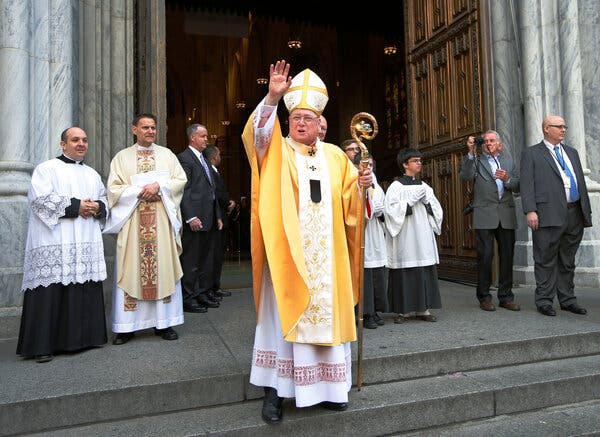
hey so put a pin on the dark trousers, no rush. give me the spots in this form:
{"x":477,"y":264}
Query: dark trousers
{"x":554,"y":250}
{"x":218,"y":259}
{"x":375,"y":290}
{"x":485,"y":255}
{"x":197,"y":261}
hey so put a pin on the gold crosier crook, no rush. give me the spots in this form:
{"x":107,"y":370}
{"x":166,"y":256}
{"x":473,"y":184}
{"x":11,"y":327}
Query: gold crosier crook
{"x":362,"y":126}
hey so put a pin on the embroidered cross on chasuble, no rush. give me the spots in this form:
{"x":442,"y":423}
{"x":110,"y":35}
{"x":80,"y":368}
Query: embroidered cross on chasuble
{"x":148,"y":239}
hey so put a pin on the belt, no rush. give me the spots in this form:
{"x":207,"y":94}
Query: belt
{"x":572,"y":204}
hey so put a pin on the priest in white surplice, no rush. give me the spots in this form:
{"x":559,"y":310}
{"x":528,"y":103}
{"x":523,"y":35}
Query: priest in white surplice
{"x":145,"y":187}
{"x":63,"y":306}
{"x":305,"y":201}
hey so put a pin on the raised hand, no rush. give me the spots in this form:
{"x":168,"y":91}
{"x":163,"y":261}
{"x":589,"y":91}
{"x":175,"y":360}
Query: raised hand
{"x":279,"y":82}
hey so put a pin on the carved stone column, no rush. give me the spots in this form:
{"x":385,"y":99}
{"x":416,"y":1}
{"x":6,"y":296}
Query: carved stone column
{"x":62,"y":63}
{"x":548,"y":41}
{"x":35,"y":106}
{"x":151,"y":65}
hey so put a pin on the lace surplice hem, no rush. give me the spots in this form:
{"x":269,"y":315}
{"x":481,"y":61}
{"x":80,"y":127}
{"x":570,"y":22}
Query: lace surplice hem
{"x":65,"y":264}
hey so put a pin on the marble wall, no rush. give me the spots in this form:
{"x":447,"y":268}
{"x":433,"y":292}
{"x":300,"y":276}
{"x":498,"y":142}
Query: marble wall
{"x":589,"y":44}
{"x":62,"y":63}
{"x":545,"y":60}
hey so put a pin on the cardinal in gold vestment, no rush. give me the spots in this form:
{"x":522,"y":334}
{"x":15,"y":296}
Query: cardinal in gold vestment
{"x":305,"y":203}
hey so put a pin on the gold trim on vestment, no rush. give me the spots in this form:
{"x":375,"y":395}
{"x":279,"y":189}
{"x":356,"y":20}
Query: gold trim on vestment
{"x":148,"y":245}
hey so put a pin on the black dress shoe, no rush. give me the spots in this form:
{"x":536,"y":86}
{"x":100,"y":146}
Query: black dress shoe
{"x":378,"y":319}
{"x":123,"y":337}
{"x":44,"y":358}
{"x":211,"y":295}
{"x":167,"y":333}
{"x":547,"y":310}
{"x":574,"y":308}
{"x":194,"y":307}
{"x":369,"y":322}
{"x":271,"y":409}
{"x":335,"y":406}
{"x":222,"y":293}
{"x":206,"y":301}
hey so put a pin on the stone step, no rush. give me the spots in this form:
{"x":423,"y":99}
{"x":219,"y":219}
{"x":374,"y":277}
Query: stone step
{"x":566,"y":420}
{"x":388,"y":408}
{"x":71,"y":393}
{"x":208,"y":366}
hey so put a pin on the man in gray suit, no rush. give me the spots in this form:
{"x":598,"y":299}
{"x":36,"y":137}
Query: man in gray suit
{"x":555,"y":199}
{"x":495,"y":178}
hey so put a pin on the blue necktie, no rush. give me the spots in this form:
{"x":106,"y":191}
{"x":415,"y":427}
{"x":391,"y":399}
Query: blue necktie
{"x":208,"y":175}
{"x":573,"y":192}
{"x":499,"y":182}
{"x":203,"y":162}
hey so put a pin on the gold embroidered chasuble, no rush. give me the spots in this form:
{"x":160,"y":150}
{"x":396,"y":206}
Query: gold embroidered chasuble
{"x":148,"y":264}
{"x":274,"y":209}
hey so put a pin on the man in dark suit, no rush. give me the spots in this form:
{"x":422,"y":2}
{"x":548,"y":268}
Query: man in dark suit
{"x":495,"y":178}
{"x":212,"y":154}
{"x":202,"y":217}
{"x":555,"y":199}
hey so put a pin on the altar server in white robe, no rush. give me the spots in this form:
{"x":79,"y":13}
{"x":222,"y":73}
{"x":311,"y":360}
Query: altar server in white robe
{"x":145,"y":187}
{"x":375,"y":254}
{"x":305,"y":200}
{"x":413,"y":216}
{"x":63,"y":305}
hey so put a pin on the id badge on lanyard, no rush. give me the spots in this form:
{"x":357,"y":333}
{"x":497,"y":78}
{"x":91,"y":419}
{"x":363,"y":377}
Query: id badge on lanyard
{"x":566,"y":179}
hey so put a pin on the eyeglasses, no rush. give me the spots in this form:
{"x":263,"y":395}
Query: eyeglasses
{"x":559,"y":126}
{"x":352,"y":149}
{"x":417,"y":160}
{"x":307,"y":119}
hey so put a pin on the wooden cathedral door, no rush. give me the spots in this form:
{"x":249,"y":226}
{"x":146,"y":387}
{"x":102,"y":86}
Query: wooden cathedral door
{"x":446,"y":106}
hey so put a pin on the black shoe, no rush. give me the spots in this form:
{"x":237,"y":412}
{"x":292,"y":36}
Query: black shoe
{"x":335,"y":406}
{"x":369,"y":322}
{"x":212,"y":295}
{"x":547,"y":310}
{"x":204,"y":300}
{"x":378,"y":319}
{"x":271,"y":409}
{"x":43,"y":358}
{"x":222,"y":293}
{"x":574,"y":308}
{"x":123,"y":337}
{"x":194,"y":307}
{"x":167,"y":333}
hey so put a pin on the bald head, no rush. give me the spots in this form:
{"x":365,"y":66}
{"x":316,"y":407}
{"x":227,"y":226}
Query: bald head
{"x":554,"y":128}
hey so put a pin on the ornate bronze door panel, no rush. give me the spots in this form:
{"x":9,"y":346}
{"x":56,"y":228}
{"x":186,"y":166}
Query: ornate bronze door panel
{"x":445,"y":107}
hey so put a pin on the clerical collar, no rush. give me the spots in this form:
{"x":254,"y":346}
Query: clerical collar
{"x":303,"y":149}
{"x":150,"y":147}
{"x":409,"y":180}
{"x":68,"y":160}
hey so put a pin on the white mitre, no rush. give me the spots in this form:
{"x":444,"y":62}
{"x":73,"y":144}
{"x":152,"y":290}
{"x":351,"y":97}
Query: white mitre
{"x":307,"y":91}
